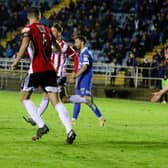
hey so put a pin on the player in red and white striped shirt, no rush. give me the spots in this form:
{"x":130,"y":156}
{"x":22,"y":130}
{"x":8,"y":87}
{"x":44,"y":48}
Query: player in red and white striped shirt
{"x":60,"y":61}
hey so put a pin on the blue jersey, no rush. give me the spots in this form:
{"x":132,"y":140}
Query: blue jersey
{"x":84,"y":81}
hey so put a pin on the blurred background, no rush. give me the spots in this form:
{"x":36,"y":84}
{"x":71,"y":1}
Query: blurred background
{"x":128,"y":40}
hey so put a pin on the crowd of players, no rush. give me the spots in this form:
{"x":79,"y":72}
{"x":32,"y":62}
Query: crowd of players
{"x":48,"y":55}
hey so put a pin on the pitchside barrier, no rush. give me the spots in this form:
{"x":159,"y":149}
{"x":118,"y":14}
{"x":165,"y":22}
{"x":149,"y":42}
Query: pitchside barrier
{"x":126,"y":76}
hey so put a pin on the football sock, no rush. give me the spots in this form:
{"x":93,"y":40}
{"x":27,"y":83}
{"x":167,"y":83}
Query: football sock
{"x":31,"y":109}
{"x":95,"y":109}
{"x":77,"y":99}
{"x":63,"y":115}
{"x":76,"y":110}
{"x":43,"y":106}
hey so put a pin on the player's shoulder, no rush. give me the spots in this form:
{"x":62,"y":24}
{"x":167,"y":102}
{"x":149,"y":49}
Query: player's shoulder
{"x":86,"y":51}
{"x":28,"y":27}
{"x":25,"y":29}
{"x":64,"y":45}
{"x":49,"y":29}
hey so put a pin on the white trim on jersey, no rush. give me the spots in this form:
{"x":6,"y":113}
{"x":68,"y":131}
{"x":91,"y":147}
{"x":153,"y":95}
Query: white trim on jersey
{"x":60,"y":61}
{"x":25,"y":84}
{"x":64,"y":48}
{"x":85,"y":60}
{"x":31,"y":51}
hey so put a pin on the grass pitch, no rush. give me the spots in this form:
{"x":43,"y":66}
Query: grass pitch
{"x":135,"y":136}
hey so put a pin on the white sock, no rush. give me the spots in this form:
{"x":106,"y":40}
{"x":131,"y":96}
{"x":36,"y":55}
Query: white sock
{"x":31,"y":109}
{"x":63,"y":115}
{"x":77,"y":99}
{"x":43,"y":106}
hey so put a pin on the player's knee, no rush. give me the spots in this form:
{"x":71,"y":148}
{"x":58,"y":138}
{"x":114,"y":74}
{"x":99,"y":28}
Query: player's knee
{"x":25,"y":96}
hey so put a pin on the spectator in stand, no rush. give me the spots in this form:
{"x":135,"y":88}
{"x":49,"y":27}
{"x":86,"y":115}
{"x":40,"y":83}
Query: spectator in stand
{"x":110,"y":33}
{"x":161,"y":70}
{"x":111,"y":54}
{"x":157,"y":56}
{"x":145,"y":72}
{"x":120,"y":53}
{"x":22,"y":14}
{"x":143,"y":45}
{"x":113,"y":69}
{"x":131,"y":58}
{"x":154,"y":72}
{"x":9,"y":52}
{"x":4,"y":15}
{"x":131,"y":70}
{"x":1,"y":51}
{"x":93,"y":39}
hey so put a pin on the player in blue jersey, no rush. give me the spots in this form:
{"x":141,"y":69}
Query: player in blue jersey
{"x":84,"y":80}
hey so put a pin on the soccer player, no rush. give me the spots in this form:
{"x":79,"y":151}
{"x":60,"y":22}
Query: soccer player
{"x":59,"y":60}
{"x":84,"y":80}
{"x":38,"y":40}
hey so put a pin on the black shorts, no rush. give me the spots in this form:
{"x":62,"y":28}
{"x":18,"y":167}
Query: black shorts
{"x":61,"y":81}
{"x":46,"y":80}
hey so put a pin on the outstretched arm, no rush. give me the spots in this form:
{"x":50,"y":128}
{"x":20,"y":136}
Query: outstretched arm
{"x":156,"y":96}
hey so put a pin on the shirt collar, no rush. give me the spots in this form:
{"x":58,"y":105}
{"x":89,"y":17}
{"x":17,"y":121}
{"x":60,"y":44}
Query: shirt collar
{"x":83,"y":49}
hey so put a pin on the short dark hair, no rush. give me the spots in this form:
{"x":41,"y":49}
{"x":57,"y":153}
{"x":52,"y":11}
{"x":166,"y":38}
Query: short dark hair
{"x":33,"y":12}
{"x":58,"y":27}
{"x":81,"y":38}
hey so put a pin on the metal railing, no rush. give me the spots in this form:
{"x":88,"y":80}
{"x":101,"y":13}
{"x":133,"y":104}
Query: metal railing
{"x":126,"y":76}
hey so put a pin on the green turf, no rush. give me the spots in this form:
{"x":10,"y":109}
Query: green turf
{"x":135,"y":136}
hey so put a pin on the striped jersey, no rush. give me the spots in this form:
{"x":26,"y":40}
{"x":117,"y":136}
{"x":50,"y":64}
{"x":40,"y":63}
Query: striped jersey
{"x":60,"y":60}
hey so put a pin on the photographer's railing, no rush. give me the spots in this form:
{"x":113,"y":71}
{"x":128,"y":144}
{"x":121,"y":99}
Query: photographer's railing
{"x":125,"y":76}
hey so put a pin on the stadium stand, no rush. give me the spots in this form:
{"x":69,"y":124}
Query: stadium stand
{"x":125,"y":30}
